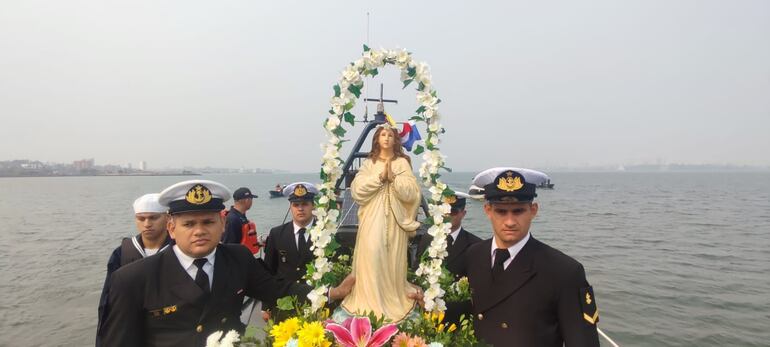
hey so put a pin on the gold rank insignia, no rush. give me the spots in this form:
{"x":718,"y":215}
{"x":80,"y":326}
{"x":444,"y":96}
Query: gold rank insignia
{"x":198,"y":195}
{"x":588,"y":305}
{"x":509,"y":183}
{"x":451,"y":199}
{"x":300,"y":190}
{"x":169,"y":309}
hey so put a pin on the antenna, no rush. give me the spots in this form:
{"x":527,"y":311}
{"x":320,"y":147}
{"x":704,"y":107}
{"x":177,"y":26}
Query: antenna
{"x":366,"y":89}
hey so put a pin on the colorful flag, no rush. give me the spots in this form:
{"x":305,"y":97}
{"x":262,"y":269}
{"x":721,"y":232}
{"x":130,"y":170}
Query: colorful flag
{"x":409,"y":135}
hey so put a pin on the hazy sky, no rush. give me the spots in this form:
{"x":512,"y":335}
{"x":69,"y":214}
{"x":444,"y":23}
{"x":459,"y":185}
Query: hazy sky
{"x":523,"y":83}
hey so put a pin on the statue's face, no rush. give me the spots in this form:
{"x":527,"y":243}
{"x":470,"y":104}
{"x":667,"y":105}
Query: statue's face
{"x":386,"y":139}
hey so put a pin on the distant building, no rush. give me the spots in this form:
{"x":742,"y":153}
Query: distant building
{"x":84,"y":164}
{"x":142,"y":166}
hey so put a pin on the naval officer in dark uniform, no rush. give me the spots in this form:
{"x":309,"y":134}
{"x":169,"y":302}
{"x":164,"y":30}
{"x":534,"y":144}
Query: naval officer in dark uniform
{"x":525,"y":293}
{"x":287,"y":249}
{"x":458,"y":242}
{"x":183,"y":294}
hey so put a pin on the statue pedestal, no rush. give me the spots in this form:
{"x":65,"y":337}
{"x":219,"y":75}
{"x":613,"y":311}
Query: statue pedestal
{"x":340,"y":314}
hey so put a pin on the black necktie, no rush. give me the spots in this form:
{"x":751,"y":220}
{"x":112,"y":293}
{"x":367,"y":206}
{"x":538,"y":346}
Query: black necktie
{"x":501,"y":255}
{"x":449,"y":240}
{"x":301,"y":243}
{"x":201,"y":278}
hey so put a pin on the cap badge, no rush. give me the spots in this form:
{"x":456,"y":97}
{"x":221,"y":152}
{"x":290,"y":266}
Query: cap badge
{"x":509,"y":184}
{"x":451,"y":199}
{"x":300,"y":190}
{"x":198,"y":195}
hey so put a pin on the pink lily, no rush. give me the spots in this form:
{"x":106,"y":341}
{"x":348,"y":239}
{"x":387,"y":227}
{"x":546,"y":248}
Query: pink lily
{"x":357,"y":332}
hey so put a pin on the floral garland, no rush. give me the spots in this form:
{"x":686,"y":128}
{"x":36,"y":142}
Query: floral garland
{"x":346,"y":92}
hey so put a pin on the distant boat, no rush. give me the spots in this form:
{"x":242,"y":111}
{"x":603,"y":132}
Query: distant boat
{"x":546,"y":185}
{"x":277,"y":192}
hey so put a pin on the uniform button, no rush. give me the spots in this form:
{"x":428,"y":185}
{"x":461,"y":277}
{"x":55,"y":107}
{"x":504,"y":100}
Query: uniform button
{"x":297,"y":281}
{"x":199,"y":328}
{"x":297,"y":269}
{"x":481,"y":316}
{"x":504,"y":325}
{"x":224,"y":320}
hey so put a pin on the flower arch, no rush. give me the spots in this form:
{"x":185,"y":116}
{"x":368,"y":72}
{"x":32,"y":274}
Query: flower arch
{"x":346,"y":93}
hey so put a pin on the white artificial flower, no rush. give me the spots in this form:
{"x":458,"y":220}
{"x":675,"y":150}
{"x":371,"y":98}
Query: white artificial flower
{"x":319,"y":213}
{"x":334,"y":214}
{"x":358,"y":64}
{"x":332,"y":122}
{"x":436,"y":344}
{"x":323,"y":199}
{"x":213,"y":339}
{"x":434,"y":127}
{"x":230,"y":339}
{"x":317,"y":297}
{"x":378,"y":57}
{"x":434,"y":140}
{"x":351,"y":75}
{"x":426,"y":99}
{"x":430,"y":112}
{"x":403,"y":59}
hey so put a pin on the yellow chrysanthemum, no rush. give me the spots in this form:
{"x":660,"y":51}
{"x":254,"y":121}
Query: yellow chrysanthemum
{"x":312,"y":335}
{"x":452,"y":328}
{"x":284,"y":331}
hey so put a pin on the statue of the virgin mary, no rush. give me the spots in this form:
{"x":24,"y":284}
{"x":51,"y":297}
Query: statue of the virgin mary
{"x":388,"y":196}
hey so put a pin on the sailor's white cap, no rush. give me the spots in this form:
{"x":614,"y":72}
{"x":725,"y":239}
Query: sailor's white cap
{"x":148,"y":203}
{"x":195,"y":195}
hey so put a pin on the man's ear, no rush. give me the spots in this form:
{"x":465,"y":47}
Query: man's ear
{"x":170,"y":225}
{"x":535,"y":207}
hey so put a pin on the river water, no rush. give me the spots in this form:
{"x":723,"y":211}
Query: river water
{"x":676,"y":259}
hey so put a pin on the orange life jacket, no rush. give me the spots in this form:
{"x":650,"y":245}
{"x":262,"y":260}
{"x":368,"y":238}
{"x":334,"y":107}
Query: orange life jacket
{"x":249,"y":237}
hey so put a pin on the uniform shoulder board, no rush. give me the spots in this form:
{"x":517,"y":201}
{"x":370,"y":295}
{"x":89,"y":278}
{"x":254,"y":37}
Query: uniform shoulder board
{"x":588,"y":304}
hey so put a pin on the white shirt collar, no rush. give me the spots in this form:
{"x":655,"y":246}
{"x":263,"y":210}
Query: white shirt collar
{"x":513,"y":250}
{"x":455,"y":233}
{"x":297,"y":227}
{"x":187,"y":261}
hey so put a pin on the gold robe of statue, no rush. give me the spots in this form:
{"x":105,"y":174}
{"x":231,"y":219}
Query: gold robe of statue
{"x":386,"y":216}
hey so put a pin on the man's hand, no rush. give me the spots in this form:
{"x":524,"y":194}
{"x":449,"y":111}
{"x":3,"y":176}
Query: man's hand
{"x":343,"y":289}
{"x":417,"y":296}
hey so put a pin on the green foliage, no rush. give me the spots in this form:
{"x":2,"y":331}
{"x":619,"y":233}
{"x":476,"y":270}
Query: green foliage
{"x":419,"y":149}
{"x":355,"y":89}
{"x":432,"y":328}
{"x":420,"y":110}
{"x":339,"y":131}
{"x":350,"y":118}
{"x":407,"y":82}
{"x":366,"y":48}
{"x":337,"y":90}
